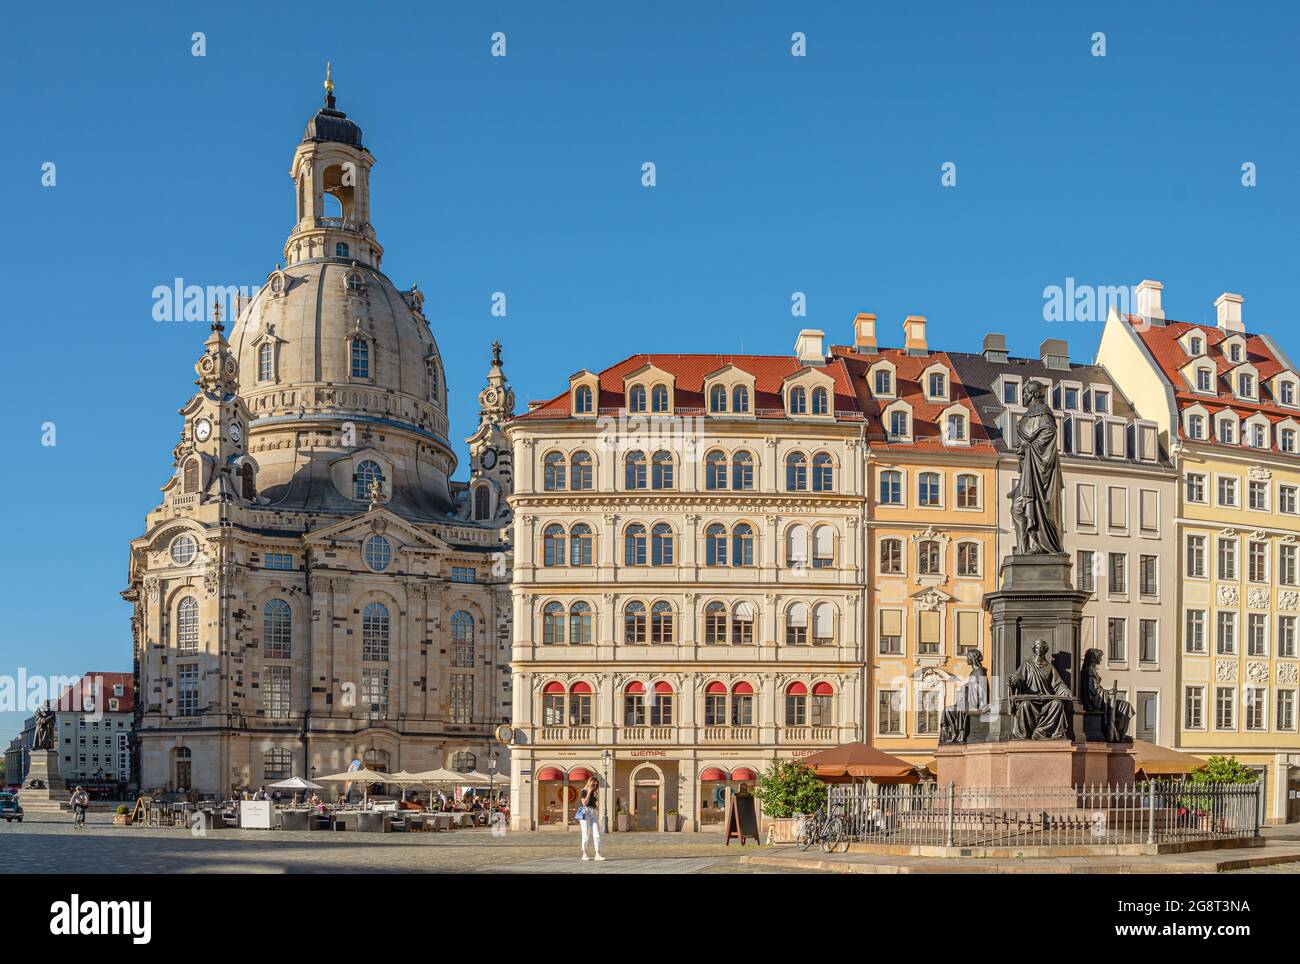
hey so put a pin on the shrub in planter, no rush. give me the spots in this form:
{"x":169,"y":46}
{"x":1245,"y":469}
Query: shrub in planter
{"x":787,"y":787}
{"x":122,"y":810}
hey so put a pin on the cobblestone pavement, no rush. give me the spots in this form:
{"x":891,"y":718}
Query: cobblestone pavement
{"x":50,"y":844}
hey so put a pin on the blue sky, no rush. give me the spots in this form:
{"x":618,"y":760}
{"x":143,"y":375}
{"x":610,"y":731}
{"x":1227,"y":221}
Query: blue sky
{"x":522,"y":174}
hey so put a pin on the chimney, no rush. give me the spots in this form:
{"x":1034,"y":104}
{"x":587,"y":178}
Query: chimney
{"x":864,"y":333}
{"x":1055,"y":353}
{"x":1229,"y":308}
{"x":995,"y":348}
{"x":914,"y":335}
{"x":808,"y":347}
{"x":1148,"y":302}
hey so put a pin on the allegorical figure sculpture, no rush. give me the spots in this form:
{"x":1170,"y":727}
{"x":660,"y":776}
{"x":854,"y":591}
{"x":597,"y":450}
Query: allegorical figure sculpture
{"x":1039,"y":698}
{"x":1116,"y":712}
{"x":954,"y":727}
{"x":1036,"y":501}
{"x":43,"y":732}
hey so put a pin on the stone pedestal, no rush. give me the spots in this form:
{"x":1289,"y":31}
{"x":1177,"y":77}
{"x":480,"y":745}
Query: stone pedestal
{"x":43,"y":788}
{"x":1035,"y":763}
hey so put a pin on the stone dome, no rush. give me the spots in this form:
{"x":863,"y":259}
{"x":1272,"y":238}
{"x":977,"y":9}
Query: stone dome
{"x":332,"y":125}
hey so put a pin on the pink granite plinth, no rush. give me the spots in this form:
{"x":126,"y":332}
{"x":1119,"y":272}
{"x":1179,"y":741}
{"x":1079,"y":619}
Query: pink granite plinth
{"x":1035,"y":763}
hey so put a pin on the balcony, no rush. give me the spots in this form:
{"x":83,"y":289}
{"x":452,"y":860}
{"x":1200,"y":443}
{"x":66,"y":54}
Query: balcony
{"x":806,"y":734}
{"x":727,"y":734}
{"x":647,"y":734}
{"x":568,"y":734}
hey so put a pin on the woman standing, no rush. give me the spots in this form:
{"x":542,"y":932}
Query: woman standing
{"x":588,"y":816}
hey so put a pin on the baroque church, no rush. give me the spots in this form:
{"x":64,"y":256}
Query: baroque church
{"x":313,"y":589}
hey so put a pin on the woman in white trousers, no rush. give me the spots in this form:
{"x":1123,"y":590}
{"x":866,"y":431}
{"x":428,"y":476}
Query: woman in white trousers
{"x":589,"y":816}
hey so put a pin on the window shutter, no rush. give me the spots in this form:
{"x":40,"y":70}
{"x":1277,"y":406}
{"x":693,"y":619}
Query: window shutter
{"x":824,"y":542}
{"x":798,"y":544}
{"x":968,"y":629}
{"x":930,"y":627}
{"x":824,"y":621}
{"x":1149,"y":511}
{"x":798,"y":615}
{"x":1086,"y":504}
{"x":745,"y":610}
{"x":891,"y":622}
{"x":1118,"y":508}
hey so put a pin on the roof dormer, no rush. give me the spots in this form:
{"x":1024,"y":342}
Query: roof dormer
{"x":1256,"y":432}
{"x":649,"y":390}
{"x":1192,"y":341}
{"x":1244,"y":382}
{"x":1199,"y":376}
{"x":882,"y":379}
{"x":896,"y":420}
{"x":809,"y":393}
{"x":936,"y":382}
{"x":729,"y":391}
{"x":955,"y":425}
{"x":1285,"y":388}
{"x":584,"y":394}
{"x":1233,"y":348}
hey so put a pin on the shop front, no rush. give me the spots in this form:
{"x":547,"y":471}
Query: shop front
{"x":646,"y":795}
{"x":557,"y":796}
{"x":717,"y":786}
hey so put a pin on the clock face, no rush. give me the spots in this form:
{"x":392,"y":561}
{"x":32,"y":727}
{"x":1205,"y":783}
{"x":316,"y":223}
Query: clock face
{"x":202,"y":429}
{"x":489,"y":458}
{"x":235,"y":433}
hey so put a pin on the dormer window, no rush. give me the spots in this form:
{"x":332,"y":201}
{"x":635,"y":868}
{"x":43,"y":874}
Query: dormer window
{"x":955,"y":429}
{"x":1234,"y":352}
{"x":938,"y":387}
{"x":1286,"y":440}
{"x":1227,"y":431}
{"x":1258,"y":434}
{"x":1203,"y":380}
{"x":1101,"y":401}
{"x":884,"y":382}
{"x":360,"y":358}
{"x":1286,"y":392}
{"x":368,"y":473}
{"x":1071,"y":400}
{"x":1246,"y":385}
{"x":265,"y":361}
{"x":898,"y":425}
{"x":1011,"y":391}
{"x":820,"y":401}
{"x":718,"y":398}
{"x":582,"y":400}
{"x":1195,"y":345}
{"x":1196,"y":426}
{"x":636,"y":399}
{"x":798,"y":401}
{"x":659,"y":398}
{"x":740,"y":399}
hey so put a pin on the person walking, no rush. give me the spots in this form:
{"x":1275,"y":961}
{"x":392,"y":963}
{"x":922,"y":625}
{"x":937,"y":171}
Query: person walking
{"x":80,"y":799}
{"x":588,"y":816}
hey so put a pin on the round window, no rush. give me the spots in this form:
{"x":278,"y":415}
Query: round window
{"x":184,"y":548}
{"x":378,"y":553}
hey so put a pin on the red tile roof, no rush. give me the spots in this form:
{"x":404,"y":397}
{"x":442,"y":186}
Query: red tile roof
{"x":689,"y":371}
{"x":71,"y":699}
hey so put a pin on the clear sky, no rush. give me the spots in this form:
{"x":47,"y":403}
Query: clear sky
{"x":523,"y":174}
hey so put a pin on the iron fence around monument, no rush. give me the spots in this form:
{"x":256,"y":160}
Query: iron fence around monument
{"x":1152,"y":813}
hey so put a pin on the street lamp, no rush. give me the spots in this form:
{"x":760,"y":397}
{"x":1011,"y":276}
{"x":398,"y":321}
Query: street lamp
{"x":606,"y":757}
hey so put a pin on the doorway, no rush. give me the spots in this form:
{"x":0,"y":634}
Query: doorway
{"x":647,"y":806}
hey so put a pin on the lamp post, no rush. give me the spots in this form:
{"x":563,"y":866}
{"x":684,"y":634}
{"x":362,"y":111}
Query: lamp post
{"x":605,"y":758}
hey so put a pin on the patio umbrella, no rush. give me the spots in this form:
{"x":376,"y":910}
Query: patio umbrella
{"x":295,"y":783}
{"x":860,"y":761}
{"x":1160,"y":761}
{"x":363,"y":776}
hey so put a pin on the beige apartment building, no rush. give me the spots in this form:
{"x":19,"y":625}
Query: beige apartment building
{"x":688,"y":582}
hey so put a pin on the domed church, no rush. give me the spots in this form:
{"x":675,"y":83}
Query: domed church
{"x":313,"y":589}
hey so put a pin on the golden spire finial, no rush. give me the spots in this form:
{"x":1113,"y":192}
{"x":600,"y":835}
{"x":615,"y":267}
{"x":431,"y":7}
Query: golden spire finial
{"x":329,"y":84}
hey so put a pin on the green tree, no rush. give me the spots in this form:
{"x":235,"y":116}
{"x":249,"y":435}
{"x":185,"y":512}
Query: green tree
{"x":788,"y":787}
{"x":1223,"y":769}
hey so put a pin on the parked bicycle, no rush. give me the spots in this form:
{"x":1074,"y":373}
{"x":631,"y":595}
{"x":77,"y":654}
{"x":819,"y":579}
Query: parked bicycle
{"x":821,"y":828}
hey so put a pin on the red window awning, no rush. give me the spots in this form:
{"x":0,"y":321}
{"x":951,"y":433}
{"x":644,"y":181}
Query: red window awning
{"x":635,"y":687}
{"x":823,"y":689}
{"x":549,"y":773}
{"x":579,"y":775}
{"x":743,"y":773}
{"x":716,"y":687}
{"x":796,"y":689}
{"x":713,"y":774}
{"x":663,"y":687}
{"x":580,"y":687}
{"x":554,"y":687}
{"x":743,"y":689}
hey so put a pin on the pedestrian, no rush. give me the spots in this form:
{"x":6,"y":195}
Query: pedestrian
{"x":588,"y":816}
{"x":79,"y":801}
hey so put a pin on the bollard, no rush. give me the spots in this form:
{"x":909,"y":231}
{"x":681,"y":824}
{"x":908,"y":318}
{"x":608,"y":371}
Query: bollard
{"x":952,"y":795}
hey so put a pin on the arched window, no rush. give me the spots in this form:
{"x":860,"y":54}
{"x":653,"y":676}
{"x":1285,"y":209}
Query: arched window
{"x":796,"y":472}
{"x":715,"y":545}
{"x":552,"y":708}
{"x":796,"y":547}
{"x":891,"y":487}
{"x":634,"y":545}
{"x":554,"y":472}
{"x":796,"y":624}
{"x":582,"y":404}
{"x":659,"y":399}
{"x":366,"y":473}
{"x":553,"y":545}
{"x":580,"y":471}
{"x":823,"y":705}
{"x":661,"y":710}
{"x":634,"y":470}
{"x":661,"y":471}
{"x":636,"y":399}
{"x":191,"y":480}
{"x":927,"y":558}
{"x":377,"y":552}
{"x":715,"y":623}
{"x":927,"y":489}
{"x":742,"y":471}
{"x":823,"y":547}
{"x":277,"y":630}
{"x":823,"y":624}
{"x":431,"y":369}
{"x":277,"y":764}
{"x":742,"y":545}
{"x":718,"y":398}
{"x":798,"y":401}
{"x":187,"y":625}
{"x":462,"y":639}
{"x":265,"y":361}
{"x":374,"y":633}
{"x":580,"y":623}
{"x":891,"y":557}
{"x":634,"y":624}
{"x":742,"y":623}
{"x":340,"y":250}
{"x":823,"y":473}
{"x":661,"y":622}
{"x":553,"y":624}
{"x":579,"y":710}
{"x":955,"y":428}
{"x":796,"y":705}
{"x":661,"y":545}
{"x":464,"y":761}
{"x":360,"y":358}
{"x":634,"y":704}
{"x":482,"y":502}
{"x":247,"y":482}
{"x":580,"y":545}
{"x":740,"y":399}
{"x":820,"y":401}
{"x":968,"y":559}
{"x":968,"y":492}
{"x":715,"y":470}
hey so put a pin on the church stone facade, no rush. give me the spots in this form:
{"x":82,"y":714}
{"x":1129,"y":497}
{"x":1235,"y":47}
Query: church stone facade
{"x":312,"y":588}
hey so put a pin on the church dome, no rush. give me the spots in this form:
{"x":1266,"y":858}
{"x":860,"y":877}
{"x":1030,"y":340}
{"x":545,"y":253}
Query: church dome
{"x":332,"y":125}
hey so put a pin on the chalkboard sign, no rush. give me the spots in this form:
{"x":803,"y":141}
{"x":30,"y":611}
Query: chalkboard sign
{"x":742,"y":816}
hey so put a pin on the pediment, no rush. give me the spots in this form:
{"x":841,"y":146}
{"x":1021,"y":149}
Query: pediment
{"x":377,"y":520}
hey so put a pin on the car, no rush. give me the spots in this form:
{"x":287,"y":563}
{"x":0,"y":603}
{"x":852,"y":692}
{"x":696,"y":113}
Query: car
{"x":9,"y":808}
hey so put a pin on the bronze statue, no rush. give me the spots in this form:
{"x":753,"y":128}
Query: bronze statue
{"x":1115,"y":711}
{"x":1036,"y":501}
{"x":954,"y":727}
{"x":43,"y":735}
{"x":1040,"y":699}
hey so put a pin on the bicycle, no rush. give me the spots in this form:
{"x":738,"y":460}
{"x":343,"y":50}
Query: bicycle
{"x":821,"y":828}
{"x":78,"y":816}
